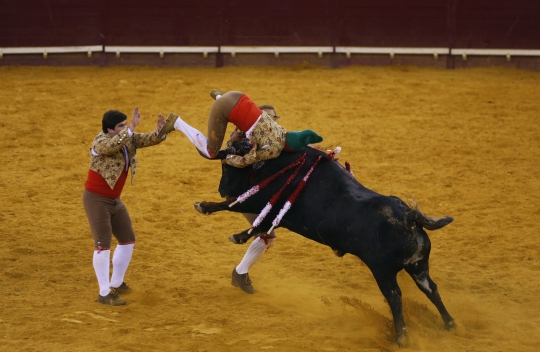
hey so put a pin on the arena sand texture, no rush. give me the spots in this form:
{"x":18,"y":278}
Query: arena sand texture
{"x":463,"y":143}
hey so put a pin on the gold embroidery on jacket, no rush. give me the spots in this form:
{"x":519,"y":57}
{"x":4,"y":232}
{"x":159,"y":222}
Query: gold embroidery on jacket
{"x":111,"y":161}
{"x":270,"y":139}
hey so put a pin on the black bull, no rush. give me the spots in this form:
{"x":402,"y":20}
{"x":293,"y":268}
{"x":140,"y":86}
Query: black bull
{"x":334,"y":209}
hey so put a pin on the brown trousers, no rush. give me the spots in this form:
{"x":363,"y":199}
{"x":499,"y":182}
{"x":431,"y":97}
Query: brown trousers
{"x":107,"y":217}
{"x":218,"y":119}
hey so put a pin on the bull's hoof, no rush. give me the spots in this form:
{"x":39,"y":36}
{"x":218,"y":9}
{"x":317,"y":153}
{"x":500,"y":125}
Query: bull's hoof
{"x":401,"y":337}
{"x":237,"y":239}
{"x":451,"y":325}
{"x":198,"y":207}
{"x":401,"y":340}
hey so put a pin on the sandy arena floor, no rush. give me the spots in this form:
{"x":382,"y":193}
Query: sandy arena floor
{"x":463,"y":143}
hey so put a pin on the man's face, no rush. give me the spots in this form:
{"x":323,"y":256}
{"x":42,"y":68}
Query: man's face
{"x":272,"y":113}
{"x":117,"y":129}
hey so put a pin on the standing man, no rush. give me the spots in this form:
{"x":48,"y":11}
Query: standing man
{"x":113,"y":153}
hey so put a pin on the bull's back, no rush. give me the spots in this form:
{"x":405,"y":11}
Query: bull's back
{"x":333,"y":208}
{"x":336,"y":210}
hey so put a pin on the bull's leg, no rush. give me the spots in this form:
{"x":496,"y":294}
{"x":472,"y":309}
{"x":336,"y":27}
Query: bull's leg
{"x":242,"y":237}
{"x":388,"y":285}
{"x":211,"y":207}
{"x":419,"y":271}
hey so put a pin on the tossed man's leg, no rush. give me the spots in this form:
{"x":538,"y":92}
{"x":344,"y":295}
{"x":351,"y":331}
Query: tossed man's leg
{"x":217,"y":125}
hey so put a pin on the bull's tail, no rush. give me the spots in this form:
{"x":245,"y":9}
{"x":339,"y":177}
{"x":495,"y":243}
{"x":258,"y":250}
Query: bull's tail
{"x":415,"y":215}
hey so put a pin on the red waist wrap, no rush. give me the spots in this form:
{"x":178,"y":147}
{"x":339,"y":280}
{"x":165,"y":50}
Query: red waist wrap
{"x":245,"y":113}
{"x":96,"y":184}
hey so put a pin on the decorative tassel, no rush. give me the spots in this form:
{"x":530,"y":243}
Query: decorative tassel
{"x":280,"y":216}
{"x":299,"y":163}
{"x":348,"y":168}
{"x":261,"y":216}
{"x":276,"y":197}
{"x":293,"y":197}
{"x":332,"y":155}
{"x":253,"y":190}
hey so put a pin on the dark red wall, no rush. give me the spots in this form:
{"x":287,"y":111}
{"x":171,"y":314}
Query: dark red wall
{"x":497,"y":24}
{"x":49,"y":23}
{"x":434,"y":23}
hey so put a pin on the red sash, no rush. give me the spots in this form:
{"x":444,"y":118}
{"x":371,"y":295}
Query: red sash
{"x":96,"y":184}
{"x":245,"y":113}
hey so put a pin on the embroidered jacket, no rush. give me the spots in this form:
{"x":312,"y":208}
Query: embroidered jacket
{"x":110,"y":160}
{"x":270,"y":139}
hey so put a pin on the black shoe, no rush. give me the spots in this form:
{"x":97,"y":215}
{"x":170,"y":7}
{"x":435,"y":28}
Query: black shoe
{"x":111,"y":299}
{"x":214,"y":93}
{"x":243,"y":281}
{"x":124,"y":288}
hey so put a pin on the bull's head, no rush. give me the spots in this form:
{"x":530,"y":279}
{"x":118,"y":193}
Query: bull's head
{"x":240,"y":147}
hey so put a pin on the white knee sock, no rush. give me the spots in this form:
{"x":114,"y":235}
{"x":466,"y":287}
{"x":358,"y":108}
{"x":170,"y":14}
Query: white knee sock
{"x":121,"y":258}
{"x":254,"y":252}
{"x":195,"y":136}
{"x":101,"y":267}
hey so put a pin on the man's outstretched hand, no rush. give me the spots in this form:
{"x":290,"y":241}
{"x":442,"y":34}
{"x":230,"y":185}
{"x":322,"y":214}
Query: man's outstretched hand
{"x":135,"y":119}
{"x":160,"y":122}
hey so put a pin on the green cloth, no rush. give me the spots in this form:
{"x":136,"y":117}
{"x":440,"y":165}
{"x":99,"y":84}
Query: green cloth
{"x":299,"y":140}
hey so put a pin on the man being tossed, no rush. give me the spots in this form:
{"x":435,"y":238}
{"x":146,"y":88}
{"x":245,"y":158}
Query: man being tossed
{"x":267,"y":137}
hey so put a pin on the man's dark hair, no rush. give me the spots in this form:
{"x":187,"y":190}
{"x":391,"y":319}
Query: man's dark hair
{"x":268,"y":107}
{"x":112,"y":118}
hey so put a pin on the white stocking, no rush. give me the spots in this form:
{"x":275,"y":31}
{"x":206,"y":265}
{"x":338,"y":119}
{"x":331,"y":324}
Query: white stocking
{"x":121,"y":258}
{"x":101,"y":267}
{"x":254,"y":252}
{"x":195,"y":136}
